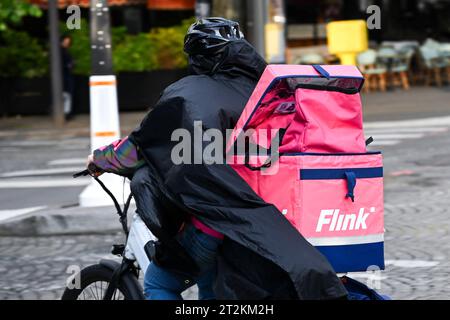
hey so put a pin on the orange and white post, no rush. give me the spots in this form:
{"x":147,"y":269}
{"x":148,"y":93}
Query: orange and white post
{"x":105,"y":126}
{"x":105,"y":129}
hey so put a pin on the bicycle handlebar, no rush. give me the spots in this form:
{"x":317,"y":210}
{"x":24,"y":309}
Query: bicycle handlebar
{"x":89,"y":171}
{"x":81,"y":173}
{"x":92,"y":168}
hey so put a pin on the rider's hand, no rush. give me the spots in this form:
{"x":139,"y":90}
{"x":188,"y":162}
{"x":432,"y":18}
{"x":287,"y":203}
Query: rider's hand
{"x":93,"y":169}
{"x":90,"y":159}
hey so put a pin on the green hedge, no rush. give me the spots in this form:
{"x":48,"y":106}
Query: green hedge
{"x":161,"y":48}
{"x":21,"y":55}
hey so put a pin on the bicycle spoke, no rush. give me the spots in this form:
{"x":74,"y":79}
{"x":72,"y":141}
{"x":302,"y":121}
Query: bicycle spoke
{"x":97,"y":290}
{"x":94,"y":295}
{"x":101,"y":291}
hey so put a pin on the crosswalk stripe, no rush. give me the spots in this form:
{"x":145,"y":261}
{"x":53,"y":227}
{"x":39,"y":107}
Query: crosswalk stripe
{"x":389,"y":133}
{"x":376,"y":143}
{"x":41,"y":172}
{"x":393,"y":136}
{"x":412,"y":263}
{"x":40,"y":183}
{"x":71,"y":161}
{"x":426,"y":122}
{"x":407,"y":130}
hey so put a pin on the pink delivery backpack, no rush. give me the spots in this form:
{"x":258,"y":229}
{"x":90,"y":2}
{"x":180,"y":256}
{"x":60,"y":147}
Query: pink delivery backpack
{"x":322,"y":179}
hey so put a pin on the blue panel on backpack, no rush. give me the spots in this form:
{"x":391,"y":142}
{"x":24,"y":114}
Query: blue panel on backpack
{"x":355,"y":257}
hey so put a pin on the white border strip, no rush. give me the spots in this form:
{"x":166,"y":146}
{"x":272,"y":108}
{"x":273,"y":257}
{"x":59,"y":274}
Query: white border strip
{"x":340,"y":241}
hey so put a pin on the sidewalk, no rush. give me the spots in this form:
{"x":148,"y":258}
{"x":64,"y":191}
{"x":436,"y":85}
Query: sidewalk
{"x":418,"y":102}
{"x":41,"y":127}
{"x":64,"y":221}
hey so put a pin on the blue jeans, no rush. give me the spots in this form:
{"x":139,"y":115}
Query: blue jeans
{"x":161,"y":284}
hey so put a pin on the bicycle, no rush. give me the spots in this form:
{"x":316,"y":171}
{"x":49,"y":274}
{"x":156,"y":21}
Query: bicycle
{"x":110,"y":280}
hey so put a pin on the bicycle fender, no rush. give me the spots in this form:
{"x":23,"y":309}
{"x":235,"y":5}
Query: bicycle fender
{"x":110,"y":264}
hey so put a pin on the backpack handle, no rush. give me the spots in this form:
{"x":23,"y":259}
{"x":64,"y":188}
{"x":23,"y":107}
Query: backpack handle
{"x":272,"y":157}
{"x":324,"y":73}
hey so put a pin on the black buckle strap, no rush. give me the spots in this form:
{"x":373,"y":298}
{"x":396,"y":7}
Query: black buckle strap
{"x":369,"y":140}
{"x":273,"y":155}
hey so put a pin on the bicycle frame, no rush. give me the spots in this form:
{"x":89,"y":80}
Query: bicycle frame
{"x":137,"y":236}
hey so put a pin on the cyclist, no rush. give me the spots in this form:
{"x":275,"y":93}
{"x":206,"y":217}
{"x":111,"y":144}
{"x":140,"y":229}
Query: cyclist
{"x":213,"y":229}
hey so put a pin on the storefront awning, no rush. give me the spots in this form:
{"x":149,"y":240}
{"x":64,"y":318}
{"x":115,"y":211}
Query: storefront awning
{"x":85,"y":3}
{"x":151,"y":4}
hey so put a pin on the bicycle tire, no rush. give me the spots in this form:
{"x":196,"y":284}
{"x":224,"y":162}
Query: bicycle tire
{"x":129,"y":286}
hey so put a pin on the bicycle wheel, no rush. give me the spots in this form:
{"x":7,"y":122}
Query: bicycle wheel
{"x":94,"y":281}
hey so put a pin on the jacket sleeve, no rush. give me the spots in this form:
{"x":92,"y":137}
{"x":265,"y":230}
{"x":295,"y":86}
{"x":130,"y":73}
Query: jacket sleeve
{"x":120,"y":157}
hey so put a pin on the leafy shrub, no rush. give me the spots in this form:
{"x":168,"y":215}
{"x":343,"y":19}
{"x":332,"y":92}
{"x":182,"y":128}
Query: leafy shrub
{"x":22,"y":55}
{"x":169,"y":45}
{"x":135,"y":53}
{"x":13,"y":11}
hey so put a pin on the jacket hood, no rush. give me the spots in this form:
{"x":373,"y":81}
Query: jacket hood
{"x":238,"y":58}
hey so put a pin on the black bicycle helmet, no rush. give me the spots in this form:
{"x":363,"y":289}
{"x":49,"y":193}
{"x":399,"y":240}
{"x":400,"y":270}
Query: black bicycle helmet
{"x":210,"y":35}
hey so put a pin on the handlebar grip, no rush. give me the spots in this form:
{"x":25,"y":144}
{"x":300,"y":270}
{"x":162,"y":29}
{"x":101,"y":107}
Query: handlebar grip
{"x":81,"y":173}
{"x":93,"y":168}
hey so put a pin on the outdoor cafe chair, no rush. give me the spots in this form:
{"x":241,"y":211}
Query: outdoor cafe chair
{"x":444,"y":50}
{"x":433,"y":63}
{"x":311,"y":58}
{"x":401,"y":67}
{"x":374,"y":74}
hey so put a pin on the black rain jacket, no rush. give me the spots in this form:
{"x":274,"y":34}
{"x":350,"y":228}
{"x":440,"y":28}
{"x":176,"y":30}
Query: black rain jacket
{"x":263,"y":256}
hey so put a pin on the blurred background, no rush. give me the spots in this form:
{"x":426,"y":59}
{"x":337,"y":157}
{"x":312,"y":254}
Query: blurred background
{"x":412,"y":44}
{"x":402,"y":47}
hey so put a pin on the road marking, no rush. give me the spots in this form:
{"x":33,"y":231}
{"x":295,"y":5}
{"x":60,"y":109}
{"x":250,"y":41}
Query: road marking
{"x":406,"y":130}
{"x":41,"y":172}
{"x":426,"y":122}
{"x":74,"y":143}
{"x":389,"y":133}
{"x":8,"y":214}
{"x":393,"y":136}
{"x":401,"y":173}
{"x":384,"y":142}
{"x":411,"y":263}
{"x":27,"y":143}
{"x":71,"y":161}
{"x":48,"y":183}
